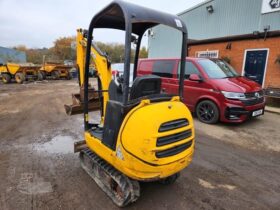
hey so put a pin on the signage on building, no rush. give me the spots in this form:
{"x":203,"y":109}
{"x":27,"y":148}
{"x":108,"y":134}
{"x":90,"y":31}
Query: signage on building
{"x":270,"y":6}
{"x":207,"y":54}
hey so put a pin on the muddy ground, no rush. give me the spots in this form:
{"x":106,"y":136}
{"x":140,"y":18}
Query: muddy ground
{"x":234,"y":167}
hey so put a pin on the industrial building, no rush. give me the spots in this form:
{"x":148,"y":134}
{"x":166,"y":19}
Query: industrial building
{"x":11,"y":55}
{"x":245,"y":33}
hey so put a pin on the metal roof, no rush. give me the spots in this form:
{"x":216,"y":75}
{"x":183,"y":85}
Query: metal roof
{"x":230,"y":18}
{"x":11,"y":55}
{"x":194,"y":7}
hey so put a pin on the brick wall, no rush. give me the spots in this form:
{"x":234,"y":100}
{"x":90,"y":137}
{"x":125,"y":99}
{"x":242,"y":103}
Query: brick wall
{"x":236,"y":55}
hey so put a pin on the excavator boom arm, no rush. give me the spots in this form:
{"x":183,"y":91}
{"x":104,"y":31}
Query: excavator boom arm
{"x":103,"y":71}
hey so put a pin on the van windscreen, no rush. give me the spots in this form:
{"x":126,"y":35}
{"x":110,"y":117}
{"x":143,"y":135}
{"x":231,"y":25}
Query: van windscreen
{"x":214,"y":71}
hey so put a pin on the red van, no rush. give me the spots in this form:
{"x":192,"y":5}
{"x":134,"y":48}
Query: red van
{"x":213,"y":90}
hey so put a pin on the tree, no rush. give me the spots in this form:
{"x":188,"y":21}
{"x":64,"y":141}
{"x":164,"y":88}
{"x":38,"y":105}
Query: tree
{"x":22,"y":48}
{"x":143,"y":52}
{"x":114,"y":51}
{"x":33,"y":55}
{"x":62,"y":51}
{"x":62,"y":48}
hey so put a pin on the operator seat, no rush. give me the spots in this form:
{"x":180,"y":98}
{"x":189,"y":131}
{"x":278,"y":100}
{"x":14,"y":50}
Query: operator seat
{"x":144,"y":86}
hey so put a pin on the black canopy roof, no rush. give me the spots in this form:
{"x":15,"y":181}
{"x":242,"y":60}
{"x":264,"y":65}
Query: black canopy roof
{"x":119,"y":13}
{"x":132,"y":19}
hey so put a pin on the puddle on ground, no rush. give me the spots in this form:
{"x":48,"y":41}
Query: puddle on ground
{"x":58,"y":145}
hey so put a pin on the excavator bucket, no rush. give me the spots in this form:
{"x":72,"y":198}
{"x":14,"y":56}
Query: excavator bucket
{"x":77,"y":106}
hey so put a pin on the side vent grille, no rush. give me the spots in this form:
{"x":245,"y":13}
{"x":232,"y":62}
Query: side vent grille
{"x":161,"y":141}
{"x":174,"y":151}
{"x":173,"y":125}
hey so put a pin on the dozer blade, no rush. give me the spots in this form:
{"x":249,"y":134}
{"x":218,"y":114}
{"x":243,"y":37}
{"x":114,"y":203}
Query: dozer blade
{"x":121,"y":189}
{"x":78,"y":107}
{"x":79,"y":146}
{"x":74,"y":109}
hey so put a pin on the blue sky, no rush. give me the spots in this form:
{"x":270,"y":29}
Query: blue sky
{"x":37,"y":23}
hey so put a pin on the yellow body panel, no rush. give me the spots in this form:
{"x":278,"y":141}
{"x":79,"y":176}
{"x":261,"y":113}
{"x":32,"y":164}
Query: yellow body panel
{"x":3,"y":69}
{"x":136,"y":143}
{"x":13,"y":68}
{"x":48,"y":68}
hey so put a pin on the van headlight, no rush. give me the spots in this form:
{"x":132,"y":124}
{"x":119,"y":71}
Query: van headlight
{"x":233,"y":95}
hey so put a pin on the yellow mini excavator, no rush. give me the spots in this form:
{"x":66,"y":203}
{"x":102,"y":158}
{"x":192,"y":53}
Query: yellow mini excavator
{"x":144,"y":134}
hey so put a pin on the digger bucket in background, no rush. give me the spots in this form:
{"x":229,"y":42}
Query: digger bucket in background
{"x":77,"y":106}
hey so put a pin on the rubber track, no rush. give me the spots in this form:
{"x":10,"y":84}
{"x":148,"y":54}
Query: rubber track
{"x":96,"y":166}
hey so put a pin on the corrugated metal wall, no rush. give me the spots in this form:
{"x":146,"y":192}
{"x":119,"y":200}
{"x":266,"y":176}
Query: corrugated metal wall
{"x":10,"y":55}
{"x":230,"y":17}
{"x":165,"y":41}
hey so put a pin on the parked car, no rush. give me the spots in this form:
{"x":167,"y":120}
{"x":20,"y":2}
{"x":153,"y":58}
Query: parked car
{"x":117,"y":71}
{"x":68,"y":63}
{"x":212,"y":88}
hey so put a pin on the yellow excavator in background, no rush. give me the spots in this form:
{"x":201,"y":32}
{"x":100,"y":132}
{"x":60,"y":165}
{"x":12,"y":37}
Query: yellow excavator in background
{"x":144,"y":134}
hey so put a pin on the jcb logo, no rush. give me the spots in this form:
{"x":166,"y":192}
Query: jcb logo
{"x":274,"y":4}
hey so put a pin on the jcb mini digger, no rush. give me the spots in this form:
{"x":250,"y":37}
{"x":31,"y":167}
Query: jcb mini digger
{"x":144,"y":134}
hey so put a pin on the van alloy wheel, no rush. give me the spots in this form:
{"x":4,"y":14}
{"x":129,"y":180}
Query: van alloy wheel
{"x":207,"y":112}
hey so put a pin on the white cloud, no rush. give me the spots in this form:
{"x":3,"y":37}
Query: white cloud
{"x":37,"y":23}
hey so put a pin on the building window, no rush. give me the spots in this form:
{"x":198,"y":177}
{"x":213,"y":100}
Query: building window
{"x":207,"y":54}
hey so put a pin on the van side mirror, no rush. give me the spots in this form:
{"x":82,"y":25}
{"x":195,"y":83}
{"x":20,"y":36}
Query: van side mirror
{"x":195,"y":77}
{"x":1,"y":64}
